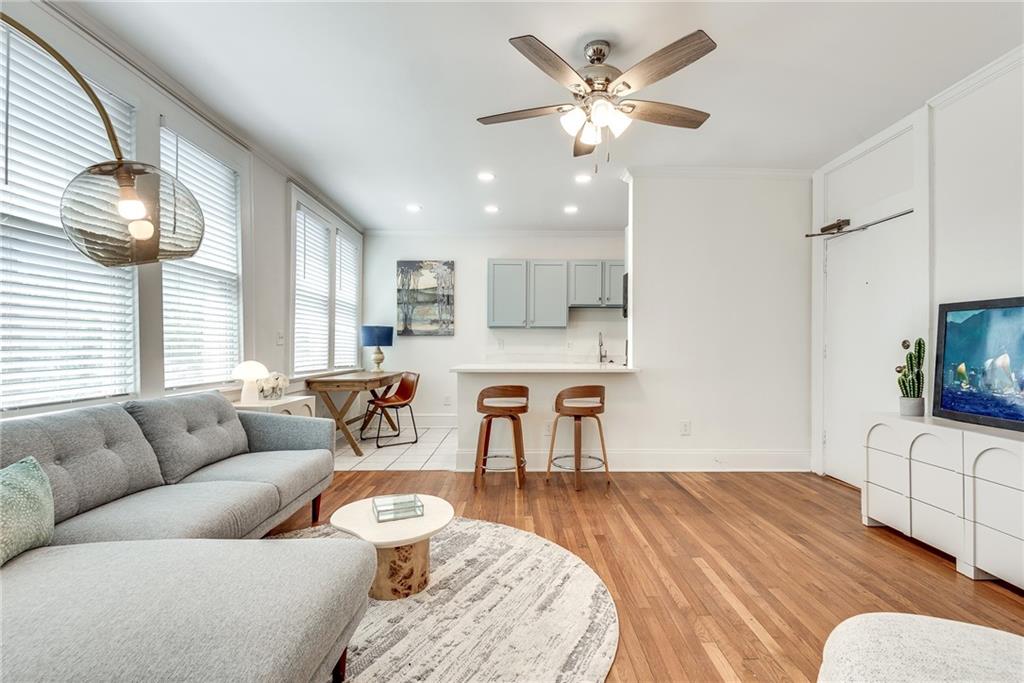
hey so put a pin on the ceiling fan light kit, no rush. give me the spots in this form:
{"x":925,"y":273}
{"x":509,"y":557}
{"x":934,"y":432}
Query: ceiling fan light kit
{"x":598,"y":89}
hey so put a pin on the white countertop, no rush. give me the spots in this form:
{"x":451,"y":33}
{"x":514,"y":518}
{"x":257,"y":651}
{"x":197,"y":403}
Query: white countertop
{"x":550,"y":368}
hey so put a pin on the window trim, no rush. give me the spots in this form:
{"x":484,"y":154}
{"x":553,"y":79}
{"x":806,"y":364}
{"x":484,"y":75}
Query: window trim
{"x":335,"y":224}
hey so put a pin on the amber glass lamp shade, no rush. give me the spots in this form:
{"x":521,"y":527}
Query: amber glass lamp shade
{"x":125,"y":213}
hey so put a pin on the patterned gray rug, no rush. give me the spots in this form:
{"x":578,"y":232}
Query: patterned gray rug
{"x":502,"y":605}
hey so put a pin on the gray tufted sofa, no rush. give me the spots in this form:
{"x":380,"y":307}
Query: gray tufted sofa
{"x":146,"y":578}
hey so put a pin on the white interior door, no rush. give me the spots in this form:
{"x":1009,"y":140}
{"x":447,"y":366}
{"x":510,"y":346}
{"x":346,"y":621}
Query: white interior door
{"x":870,"y":305}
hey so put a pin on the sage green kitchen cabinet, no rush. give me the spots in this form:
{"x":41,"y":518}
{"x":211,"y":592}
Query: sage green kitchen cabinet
{"x":506,"y":292}
{"x":548,"y":305}
{"x":613,"y":272}
{"x":596,"y":284}
{"x":585,"y":283}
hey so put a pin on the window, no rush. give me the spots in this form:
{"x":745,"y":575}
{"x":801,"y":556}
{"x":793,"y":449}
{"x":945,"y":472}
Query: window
{"x":67,"y":325}
{"x":326,"y":301}
{"x":312,"y":292}
{"x":346,"y":298}
{"x":202,"y":294}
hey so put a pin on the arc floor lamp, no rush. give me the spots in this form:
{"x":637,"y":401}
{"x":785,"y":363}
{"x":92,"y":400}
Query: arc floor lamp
{"x":122,"y":212}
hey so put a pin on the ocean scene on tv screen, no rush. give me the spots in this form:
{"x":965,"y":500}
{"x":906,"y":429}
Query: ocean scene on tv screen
{"x":983,"y":363}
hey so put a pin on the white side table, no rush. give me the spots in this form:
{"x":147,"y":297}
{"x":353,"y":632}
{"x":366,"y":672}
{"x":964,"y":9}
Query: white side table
{"x":303,"y":405}
{"x":403,"y":546}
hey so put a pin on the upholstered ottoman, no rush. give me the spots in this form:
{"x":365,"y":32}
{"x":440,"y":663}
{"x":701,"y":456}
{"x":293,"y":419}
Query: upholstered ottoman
{"x":908,"y":647}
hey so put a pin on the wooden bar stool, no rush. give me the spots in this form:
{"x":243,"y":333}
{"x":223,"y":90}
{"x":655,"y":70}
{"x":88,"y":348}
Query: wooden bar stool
{"x":506,"y":401}
{"x":578,"y":403}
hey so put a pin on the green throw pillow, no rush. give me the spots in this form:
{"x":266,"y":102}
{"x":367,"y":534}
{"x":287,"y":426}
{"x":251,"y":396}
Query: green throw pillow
{"x":26,"y":508}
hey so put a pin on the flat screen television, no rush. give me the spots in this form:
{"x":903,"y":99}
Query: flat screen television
{"x":979,"y":363}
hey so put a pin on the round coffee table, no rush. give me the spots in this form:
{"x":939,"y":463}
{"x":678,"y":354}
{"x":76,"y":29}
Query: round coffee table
{"x":403,"y":546}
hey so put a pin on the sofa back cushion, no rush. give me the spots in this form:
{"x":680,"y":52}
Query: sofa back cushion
{"x":189,"y":432}
{"x":90,"y":455}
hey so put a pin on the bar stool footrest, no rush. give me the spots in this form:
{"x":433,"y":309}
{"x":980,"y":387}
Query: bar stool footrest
{"x":488,"y":468}
{"x":555,"y":464}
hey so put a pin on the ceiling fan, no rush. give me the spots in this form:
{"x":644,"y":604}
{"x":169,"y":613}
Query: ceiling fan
{"x":599,"y":89}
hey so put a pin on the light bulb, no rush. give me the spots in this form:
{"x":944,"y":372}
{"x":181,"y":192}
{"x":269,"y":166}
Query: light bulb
{"x":591,"y":134}
{"x":618,"y":123}
{"x":573,"y":120}
{"x":601,"y":112}
{"x":141,"y":229}
{"x":129,"y":205}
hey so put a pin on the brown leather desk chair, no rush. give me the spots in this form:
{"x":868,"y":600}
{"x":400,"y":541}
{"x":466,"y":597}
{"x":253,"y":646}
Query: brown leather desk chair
{"x":401,"y":398}
{"x":501,"y":402}
{"x":578,"y":403}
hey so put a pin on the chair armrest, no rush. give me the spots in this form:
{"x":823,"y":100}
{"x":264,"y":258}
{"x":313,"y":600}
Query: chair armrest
{"x":272,"y":432}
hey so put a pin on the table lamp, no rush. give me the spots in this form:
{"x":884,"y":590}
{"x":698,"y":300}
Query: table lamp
{"x":377,"y":335}
{"x":249,"y":371}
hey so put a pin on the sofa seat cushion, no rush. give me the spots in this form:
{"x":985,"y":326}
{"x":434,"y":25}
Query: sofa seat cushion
{"x":292,"y":472}
{"x":225,"y":509}
{"x":181,"y":610}
{"x":191,"y":431}
{"x":90,"y":455}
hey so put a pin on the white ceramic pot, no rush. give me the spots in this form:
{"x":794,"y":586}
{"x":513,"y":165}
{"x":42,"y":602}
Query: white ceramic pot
{"x":912,"y":407}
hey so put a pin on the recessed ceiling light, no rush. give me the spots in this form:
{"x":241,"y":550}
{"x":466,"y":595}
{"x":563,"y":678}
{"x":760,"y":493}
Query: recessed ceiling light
{"x":571,"y":208}
{"x":413,"y":208}
{"x":485,"y":176}
{"x":491,"y":208}
{"x":583,"y":178}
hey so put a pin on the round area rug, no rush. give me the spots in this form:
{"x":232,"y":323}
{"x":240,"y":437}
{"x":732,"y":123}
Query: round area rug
{"x":502,"y":605}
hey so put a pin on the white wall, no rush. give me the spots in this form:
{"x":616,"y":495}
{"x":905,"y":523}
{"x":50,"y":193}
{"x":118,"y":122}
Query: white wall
{"x":967,"y":191}
{"x":720,"y":279}
{"x":474,"y":341}
{"x":977,"y":181}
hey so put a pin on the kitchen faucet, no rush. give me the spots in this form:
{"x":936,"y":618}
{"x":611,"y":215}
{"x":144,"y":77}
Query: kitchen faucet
{"x":602,"y":355}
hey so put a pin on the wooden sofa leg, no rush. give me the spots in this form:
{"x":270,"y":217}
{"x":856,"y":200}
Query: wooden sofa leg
{"x":316,"y":509}
{"x":338,"y":675}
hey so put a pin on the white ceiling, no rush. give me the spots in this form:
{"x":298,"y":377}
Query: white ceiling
{"x":376,"y":103}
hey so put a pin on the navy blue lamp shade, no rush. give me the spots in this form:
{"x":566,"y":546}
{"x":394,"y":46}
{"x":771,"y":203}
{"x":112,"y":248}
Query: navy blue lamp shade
{"x":377,"y":335}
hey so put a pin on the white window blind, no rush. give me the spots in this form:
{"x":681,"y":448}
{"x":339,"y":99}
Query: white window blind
{"x":312,"y":317}
{"x":202,"y":294}
{"x":346,"y":298}
{"x":67,"y":324}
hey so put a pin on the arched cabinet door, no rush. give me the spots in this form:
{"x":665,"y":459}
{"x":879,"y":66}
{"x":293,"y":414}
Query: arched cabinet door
{"x":994,"y":504}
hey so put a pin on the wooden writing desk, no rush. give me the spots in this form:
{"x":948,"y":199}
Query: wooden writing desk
{"x":377,"y":383}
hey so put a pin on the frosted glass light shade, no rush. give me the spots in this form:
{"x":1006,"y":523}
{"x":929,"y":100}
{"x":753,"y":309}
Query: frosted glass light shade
{"x":94,"y":207}
{"x":573,"y":120}
{"x":618,"y":123}
{"x":591,"y":134}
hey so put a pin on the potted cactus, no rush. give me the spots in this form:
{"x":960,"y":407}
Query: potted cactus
{"x":911,"y":380}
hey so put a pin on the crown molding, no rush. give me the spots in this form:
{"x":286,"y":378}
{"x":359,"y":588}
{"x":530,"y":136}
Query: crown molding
{"x":715,"y":172}
{"x":1011,"y":60}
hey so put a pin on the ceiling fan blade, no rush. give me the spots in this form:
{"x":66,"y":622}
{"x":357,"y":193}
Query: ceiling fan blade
{"x":580,"y":148}
{"x":545,"y":59}
{"x":521,"y":114}
{"x":662,"y":63}
{"x":665,"y":114}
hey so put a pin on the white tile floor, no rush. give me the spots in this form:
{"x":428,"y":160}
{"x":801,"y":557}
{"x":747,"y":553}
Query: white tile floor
{"x":435,"y":451}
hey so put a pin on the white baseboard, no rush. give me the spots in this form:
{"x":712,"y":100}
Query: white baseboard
{"x":672,"y":460}
{"x":447,"y":420}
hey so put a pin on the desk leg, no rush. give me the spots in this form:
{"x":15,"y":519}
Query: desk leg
{"x":339,"y":417}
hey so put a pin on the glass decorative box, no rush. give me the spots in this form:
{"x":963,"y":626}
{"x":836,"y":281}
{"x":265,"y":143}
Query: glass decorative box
{"x":402,"y":506}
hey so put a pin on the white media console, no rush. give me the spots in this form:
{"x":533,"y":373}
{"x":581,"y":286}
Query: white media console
{"x":954,"y":486}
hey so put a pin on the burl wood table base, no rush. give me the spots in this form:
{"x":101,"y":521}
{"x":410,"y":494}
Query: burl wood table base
{"x":403,"y":546}
{"x":401,"y":571}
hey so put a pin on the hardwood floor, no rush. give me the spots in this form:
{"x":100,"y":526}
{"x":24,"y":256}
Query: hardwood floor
{"x":716,"y":576}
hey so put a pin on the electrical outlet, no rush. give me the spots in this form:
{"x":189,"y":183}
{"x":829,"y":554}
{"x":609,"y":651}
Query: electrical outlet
{"x":280,"y":337}
{"x":446,"y":401}
{"x":547,"y":429}
{"x":568,"y":345}
{"x":684,"y":428}
{"x":501,"y":344}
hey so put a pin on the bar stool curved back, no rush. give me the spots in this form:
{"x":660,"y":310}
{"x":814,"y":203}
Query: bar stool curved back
{"x":507,"y":401}
{"x":578,"y":403}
